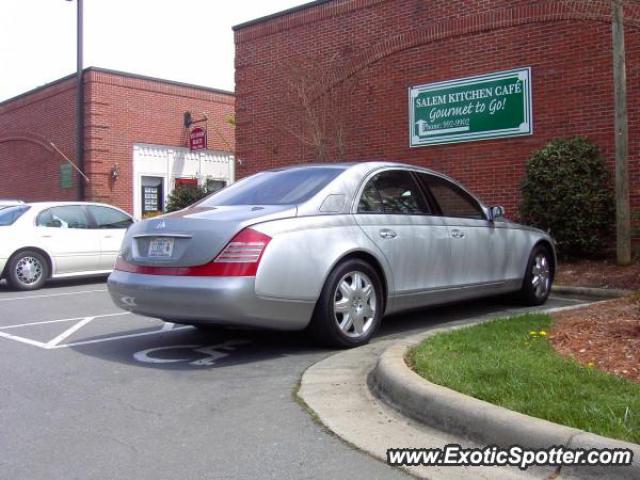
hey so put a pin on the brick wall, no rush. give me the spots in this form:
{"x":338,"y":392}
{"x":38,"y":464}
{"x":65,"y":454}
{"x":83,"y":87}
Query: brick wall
{"x":385,"y":47}
{"x":120,"y":110}
{"x":125,"y":110}
{"x":29,"y":167}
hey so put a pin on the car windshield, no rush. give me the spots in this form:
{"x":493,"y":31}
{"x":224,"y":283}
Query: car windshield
{"x":9,"y":215}
{"x":283,"y":187}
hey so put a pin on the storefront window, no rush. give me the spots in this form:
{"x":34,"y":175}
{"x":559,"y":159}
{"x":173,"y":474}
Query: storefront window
{"x":215,"y":185}
{"x":152,"y":196}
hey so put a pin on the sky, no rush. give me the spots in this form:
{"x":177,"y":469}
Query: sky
{"x":183,"y":40}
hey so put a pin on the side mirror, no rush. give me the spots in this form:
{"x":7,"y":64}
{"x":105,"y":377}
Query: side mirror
{"x":496,"y":213}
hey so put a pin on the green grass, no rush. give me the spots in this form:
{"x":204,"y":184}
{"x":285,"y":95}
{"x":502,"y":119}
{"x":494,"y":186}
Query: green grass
{"x":502,"y":363}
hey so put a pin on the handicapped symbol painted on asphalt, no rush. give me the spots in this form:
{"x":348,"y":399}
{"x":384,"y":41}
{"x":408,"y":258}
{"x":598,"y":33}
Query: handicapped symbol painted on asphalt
{"x":212,"y":353}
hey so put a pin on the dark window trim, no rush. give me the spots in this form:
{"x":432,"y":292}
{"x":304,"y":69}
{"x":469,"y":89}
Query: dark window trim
{"x":427,"y":195}
{"x":91,"y":222}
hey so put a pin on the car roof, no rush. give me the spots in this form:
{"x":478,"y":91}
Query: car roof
{"x":56,"y":204}
{"x":364,"y":168}
{"x":367,"y":165}
{"x":43,"y":205}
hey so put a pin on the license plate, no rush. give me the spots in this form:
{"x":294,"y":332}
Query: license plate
{"x":161,"y":247}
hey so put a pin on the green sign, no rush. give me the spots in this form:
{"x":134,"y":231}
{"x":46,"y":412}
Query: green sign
{"x":66,"y":176}
{"x":497,"y":105}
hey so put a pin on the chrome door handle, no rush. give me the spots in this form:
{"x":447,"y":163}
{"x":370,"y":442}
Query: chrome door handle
{"x":457,"y":233}
{"x":108,"y":236}
{"x":388,"y":233}
{"x":45,"y":236}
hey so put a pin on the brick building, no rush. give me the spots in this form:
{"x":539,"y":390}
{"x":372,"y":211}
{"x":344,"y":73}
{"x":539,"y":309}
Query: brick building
{"x":354,"y":62}
{"x":135,"y":141}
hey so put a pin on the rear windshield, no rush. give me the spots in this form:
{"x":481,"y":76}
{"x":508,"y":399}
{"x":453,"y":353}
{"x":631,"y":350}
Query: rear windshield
{"x":9,"y":215}
{"x":285,"y":187}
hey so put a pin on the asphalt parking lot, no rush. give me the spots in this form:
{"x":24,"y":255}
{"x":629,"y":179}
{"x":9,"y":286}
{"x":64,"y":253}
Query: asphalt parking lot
{"x":90,"y":391}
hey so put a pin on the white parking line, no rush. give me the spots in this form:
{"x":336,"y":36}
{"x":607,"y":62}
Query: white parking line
{"x":167,"y":326}
{"x":81,"y":322}
{"x":28,"y":341}
{"x":117,"y":314}
{"x":120,"y":337}
{"x":69,"y":331}
{"x":12,"y":299}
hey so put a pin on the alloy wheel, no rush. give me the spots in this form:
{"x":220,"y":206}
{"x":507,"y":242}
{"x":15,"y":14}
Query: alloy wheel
{"x":354,"y":304}
{"x":540,"y":275}
{"x":28,"y":270}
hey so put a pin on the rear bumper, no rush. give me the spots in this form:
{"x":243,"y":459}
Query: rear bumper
{"x":206,"y":301}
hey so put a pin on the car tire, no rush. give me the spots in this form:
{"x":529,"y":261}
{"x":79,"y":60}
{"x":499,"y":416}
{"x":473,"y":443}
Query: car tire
{"x":538,"y":278}
{"x":350,"y":307}
{"x":27,"y":270}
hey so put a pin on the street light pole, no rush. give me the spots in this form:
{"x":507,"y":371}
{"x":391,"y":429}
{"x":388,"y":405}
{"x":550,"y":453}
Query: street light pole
{"x":79,"y":102}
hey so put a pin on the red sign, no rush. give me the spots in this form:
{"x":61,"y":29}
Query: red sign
{"x":198,"y":138}
{"x":186,"y":181}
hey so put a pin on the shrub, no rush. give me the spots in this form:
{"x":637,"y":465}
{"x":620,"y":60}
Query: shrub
{"x":567,"y":192}
{"x":183,"y":196}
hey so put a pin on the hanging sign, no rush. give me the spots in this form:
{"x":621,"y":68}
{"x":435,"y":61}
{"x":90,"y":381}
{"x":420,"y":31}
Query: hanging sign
{"x":66,"y":176}
{"x":198,"y":138}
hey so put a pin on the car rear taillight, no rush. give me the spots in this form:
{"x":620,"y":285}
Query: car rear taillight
{"x":239,"y":258}
{"x":242,"y":254}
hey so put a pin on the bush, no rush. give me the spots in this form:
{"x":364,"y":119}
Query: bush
{"x":183,"y":196}
{"x":567,"y":192}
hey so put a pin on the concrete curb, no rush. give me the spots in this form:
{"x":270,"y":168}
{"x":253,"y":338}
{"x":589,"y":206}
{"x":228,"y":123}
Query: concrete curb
{"x":590,"y":292}
{"x":452,"y":412}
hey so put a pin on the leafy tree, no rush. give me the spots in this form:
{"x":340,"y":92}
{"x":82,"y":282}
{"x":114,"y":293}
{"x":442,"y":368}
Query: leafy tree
{"x":185,"y":195}
{"x":567,"y":192}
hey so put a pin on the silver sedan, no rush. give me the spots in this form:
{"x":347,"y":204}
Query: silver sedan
{"x":331,"y":248}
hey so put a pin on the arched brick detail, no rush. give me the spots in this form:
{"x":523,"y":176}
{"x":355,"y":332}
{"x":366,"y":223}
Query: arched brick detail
{"x":29,"y":138}
{"x":546,"y":11}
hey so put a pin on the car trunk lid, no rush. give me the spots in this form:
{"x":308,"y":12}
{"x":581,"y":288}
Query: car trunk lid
{"x":193,"y":236}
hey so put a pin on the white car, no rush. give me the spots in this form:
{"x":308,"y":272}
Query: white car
{"x":46,"y":240}
{"x":9,"y":203}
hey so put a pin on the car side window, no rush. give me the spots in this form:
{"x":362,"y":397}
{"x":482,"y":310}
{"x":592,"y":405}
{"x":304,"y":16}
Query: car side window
{"x":393,"y":192}
{"x":9,"y":215}
{"x":106,"y":217}
{"x":453,"y":201}
{"x":370,"y":200}
{"x":68,"y":216}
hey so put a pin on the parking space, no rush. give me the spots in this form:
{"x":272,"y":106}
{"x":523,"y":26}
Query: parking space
{"x":134,"y":396}
{"x":83,"y":315}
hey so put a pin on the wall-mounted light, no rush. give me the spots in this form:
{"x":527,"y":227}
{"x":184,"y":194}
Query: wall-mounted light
{"x":188,"y":120}
{"x":115,"y":172}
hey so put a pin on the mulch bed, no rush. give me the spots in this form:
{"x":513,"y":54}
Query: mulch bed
{"x":598,"y":273}
{"x":605,"y":335}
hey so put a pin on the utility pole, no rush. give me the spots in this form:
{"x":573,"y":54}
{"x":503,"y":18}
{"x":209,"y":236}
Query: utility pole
{"x":79,"y":101}
{"x":623,"y":217}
